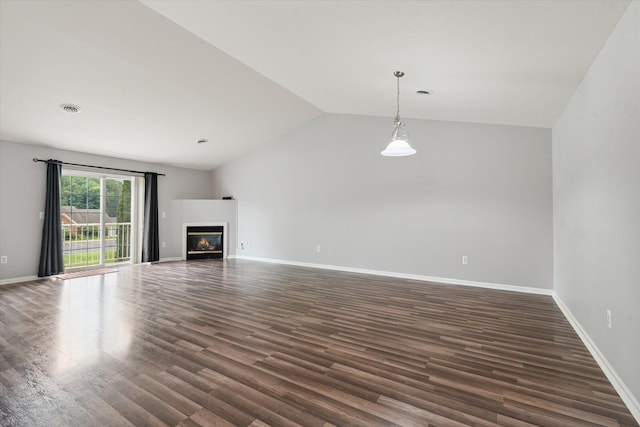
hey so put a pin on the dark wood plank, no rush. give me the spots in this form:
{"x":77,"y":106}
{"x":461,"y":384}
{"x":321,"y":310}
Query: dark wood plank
{"x":251,"y":344}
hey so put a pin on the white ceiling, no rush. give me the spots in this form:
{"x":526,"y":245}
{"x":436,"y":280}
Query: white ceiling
{"x":153,"y":77}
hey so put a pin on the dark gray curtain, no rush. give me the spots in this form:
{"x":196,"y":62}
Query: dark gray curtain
{"x":150,"y":239}
{"x":51,"y":261}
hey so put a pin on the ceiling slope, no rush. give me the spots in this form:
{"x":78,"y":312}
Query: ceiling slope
{"x":152,"y":77}
{"x":147,"y":87}
{"x":504,"y":62}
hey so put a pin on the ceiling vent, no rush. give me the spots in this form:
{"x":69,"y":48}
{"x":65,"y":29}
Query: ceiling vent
{"x":70,"y":108}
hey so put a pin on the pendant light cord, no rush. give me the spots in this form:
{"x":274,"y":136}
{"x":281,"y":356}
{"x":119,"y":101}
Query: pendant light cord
{"x":398,"y":98}
{"x":398,"y":74}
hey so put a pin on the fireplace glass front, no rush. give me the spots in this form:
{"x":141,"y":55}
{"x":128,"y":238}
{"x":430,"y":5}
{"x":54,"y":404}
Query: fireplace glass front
{"x":205,"y":242}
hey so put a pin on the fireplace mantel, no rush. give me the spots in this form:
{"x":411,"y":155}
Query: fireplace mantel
{"x":225,"y":238}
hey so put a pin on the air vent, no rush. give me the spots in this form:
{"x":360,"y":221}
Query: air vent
{"x":70,"y":108}
{"x":202,"y":141}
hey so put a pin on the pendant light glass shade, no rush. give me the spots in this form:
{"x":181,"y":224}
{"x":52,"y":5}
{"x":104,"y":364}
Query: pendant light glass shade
{"x":399,"y":145}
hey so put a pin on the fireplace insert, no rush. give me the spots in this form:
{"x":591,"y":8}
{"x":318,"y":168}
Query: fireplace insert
{"x":205,"y":242}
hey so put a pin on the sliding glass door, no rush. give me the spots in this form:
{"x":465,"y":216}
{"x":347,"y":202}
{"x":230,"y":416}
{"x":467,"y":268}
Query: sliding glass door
{"x":96,"y":217}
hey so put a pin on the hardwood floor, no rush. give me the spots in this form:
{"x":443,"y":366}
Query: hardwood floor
{"x":252,"y":344}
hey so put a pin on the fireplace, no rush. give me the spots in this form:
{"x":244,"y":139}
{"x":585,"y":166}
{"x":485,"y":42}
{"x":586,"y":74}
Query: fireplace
{"x":204,"y":241}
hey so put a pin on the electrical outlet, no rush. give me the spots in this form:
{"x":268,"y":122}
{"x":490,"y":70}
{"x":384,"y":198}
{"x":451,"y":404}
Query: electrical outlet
{"x":318,"y":249}
{"x":164,"y":244}
{"x":241,"y":244}
{"x":465,"y":260}
{"x":609,"y":318}
{"x":164,"y":214}
{"x":3,"y":259}
{"x":41,"y":215}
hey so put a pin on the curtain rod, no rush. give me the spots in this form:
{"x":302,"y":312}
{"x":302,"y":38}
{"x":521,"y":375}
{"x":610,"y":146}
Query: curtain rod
{"x":96,"y":167}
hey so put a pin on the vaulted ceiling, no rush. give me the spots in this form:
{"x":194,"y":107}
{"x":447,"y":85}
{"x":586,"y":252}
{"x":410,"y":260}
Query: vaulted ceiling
{"x":152,"y":77}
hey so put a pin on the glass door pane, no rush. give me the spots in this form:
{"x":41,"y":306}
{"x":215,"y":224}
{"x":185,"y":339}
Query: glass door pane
{"x":81,"y":218}
{"x":117,"y":220}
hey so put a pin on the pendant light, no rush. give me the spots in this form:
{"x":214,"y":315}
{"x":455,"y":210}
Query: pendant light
{"x":399,"y":145}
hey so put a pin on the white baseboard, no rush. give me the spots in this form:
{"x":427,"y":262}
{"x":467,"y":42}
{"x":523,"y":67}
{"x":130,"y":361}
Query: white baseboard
{"x":422,"y":278}
{"x":19,"y":280}
{"x":625,"y":394}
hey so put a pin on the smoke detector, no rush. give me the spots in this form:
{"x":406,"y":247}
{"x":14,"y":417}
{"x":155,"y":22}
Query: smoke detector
{"x":70,"y":108}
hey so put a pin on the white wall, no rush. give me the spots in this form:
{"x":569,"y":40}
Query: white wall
{"x":596,"y":186}
{"x":483,"y":191}
{"x":22,"y":189}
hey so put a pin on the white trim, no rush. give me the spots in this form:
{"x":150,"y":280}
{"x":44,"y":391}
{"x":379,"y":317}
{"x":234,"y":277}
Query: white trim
{"x":170,"y":259}
{"x":625,"y":394}
{"x":443,"y":280}
{"x":103,"y":212}
{"x":136,"y":247}
{"x":225,"y":238}
{"x":19,"y":280}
